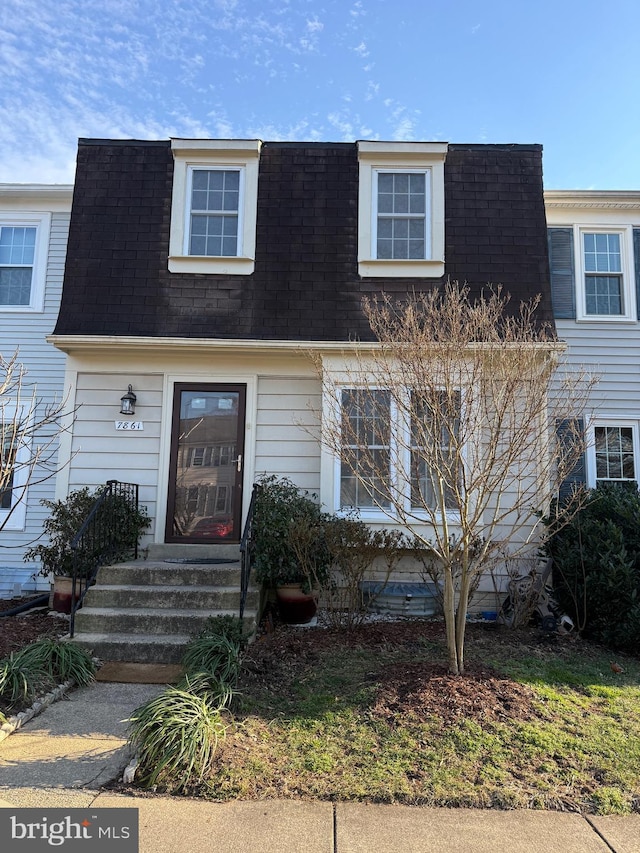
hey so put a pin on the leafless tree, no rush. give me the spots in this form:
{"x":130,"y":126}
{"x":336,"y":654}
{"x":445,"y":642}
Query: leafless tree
{"x":448,"y":424}
{"x":29,"y":433}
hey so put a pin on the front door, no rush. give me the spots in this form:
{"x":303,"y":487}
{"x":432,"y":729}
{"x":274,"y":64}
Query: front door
{"x":205,"y":473}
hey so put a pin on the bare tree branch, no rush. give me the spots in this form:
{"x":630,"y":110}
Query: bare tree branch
{"x":448,"y":425}
{"x":30,"y":429}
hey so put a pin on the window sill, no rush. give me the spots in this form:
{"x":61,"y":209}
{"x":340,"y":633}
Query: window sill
{"x":374,"y":268}
{"x":605,"y":318}
{"x":211,"y":266}
{"x":21,"y":309}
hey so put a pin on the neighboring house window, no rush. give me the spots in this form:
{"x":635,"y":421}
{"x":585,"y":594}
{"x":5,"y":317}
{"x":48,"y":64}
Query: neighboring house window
{"x":14,"y":470}
{"x":593,"y":273}
{"x":23,"y":259}
{"x":603,"y":288}
{"x":373,"y":467}
{"x":214,"y":206}
{"x":401,"y":209}
{"x":614,"y":452}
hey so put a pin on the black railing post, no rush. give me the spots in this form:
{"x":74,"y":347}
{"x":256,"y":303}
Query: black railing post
{"x":246,"y":551}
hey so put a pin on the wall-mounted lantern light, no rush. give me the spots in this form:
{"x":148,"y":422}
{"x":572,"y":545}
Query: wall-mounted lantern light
{"x":128,"y":403}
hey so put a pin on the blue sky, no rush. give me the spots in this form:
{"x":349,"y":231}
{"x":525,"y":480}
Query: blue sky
{"x":563,"y":73}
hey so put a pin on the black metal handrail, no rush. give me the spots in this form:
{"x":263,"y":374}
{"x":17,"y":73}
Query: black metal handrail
{"x":98,"y":541}
{"x":246,"y":550}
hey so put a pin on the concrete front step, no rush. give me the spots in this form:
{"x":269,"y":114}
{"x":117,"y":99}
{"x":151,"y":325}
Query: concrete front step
{"x":146,"y":610}
{"x":170,"y":574}
{"x":167,"y":597}
{"x":163,"y":551}
{"x":143,"y":648}
{"x":146,"y":620}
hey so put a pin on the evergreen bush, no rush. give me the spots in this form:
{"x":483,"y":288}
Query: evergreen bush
{"x":596,"y":564}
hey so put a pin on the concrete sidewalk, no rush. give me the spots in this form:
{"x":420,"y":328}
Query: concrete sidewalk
{"x":63,"y":757}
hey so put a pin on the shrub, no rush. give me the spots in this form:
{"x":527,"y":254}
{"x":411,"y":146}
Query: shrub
{"x":227,"y":626}
{"x":353,"y":549}
{"x":282,"y":516}
{"x":596,"y":559}
{"x":64,"y":522}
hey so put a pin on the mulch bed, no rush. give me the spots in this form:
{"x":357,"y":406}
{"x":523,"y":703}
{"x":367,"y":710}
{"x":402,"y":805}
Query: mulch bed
{"x":422,"y":690}
{"x":20,"y":630}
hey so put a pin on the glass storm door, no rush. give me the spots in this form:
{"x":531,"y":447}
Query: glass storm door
{"x":205,"y":474}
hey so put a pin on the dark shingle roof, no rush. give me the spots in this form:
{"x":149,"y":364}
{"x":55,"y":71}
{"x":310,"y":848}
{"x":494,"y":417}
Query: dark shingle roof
{"x":306,"y":284}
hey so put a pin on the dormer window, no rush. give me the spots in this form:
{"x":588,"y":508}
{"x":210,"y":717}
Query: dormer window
{"x":214,"y":206}
{"x":401,"y":221}
{"x":401,"y":209}
{"x":215,"y":212}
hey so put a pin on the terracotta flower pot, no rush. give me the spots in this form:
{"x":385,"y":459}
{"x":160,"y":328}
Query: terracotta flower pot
{"x":296,"y":607}
{"x":62,"y":593}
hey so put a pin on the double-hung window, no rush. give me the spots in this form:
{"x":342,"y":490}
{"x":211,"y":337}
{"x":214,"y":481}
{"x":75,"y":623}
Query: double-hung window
{"x":14,"y":453}
{"x":401,"y":209}
{"x":401,"y":216}
{"x":23,"y":247}
{"x":398,"y":451}
{"x":603,"y":281}
{"x":215,"y":212}
{"x":435,"y":427}
{"x":214,"y":206}
{"x":614,"y":452}
{"x":365,"y":476}
{"x":606,"y":279}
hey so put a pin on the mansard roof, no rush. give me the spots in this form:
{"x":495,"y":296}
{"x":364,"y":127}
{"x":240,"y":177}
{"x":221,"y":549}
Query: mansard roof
{"x":305,"y":285}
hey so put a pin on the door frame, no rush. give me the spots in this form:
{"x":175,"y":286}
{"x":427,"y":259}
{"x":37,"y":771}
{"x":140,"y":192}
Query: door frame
{"x":174,"y":388}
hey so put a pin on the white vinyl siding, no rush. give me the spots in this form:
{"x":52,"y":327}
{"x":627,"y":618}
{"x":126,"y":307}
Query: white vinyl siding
{"x":616,"y":397}
{"x":287,"y":434}
{"x":99,"y":451}
{"x":45,"y":369}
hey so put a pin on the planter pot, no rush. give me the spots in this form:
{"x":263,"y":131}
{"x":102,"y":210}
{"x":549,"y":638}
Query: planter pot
{"x":296,"y":607}
{"x":62,"y":593}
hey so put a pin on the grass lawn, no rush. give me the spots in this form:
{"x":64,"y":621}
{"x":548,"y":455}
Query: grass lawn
{"x":537,"y":722}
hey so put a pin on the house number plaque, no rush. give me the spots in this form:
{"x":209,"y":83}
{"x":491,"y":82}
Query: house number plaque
{"x":130,"y":426}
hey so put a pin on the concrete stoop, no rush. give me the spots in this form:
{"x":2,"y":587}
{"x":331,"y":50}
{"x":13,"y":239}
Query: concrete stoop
{"x":146,"y":611}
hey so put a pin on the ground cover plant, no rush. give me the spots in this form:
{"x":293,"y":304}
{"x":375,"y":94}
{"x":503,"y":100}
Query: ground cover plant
{"x":176,"y":734}
{"x":538,"y":721}
{"x":16,"y":633}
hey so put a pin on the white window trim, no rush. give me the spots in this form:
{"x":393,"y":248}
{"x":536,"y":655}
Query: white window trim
{"x":42,"y":223}
{"x":591,"y":447}
{"x":15,"y":518}
{"x":214,"y":154}
{"x":628,"y":277}
{"x":399,"y":475}
{"x":375,"y":157}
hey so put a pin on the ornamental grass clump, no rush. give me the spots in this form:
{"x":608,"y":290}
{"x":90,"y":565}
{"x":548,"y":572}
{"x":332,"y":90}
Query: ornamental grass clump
{"x":18,"y":681}
{"x":216,"y":655}
{"x":175,"y":735}
{"x":59,"y":661}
